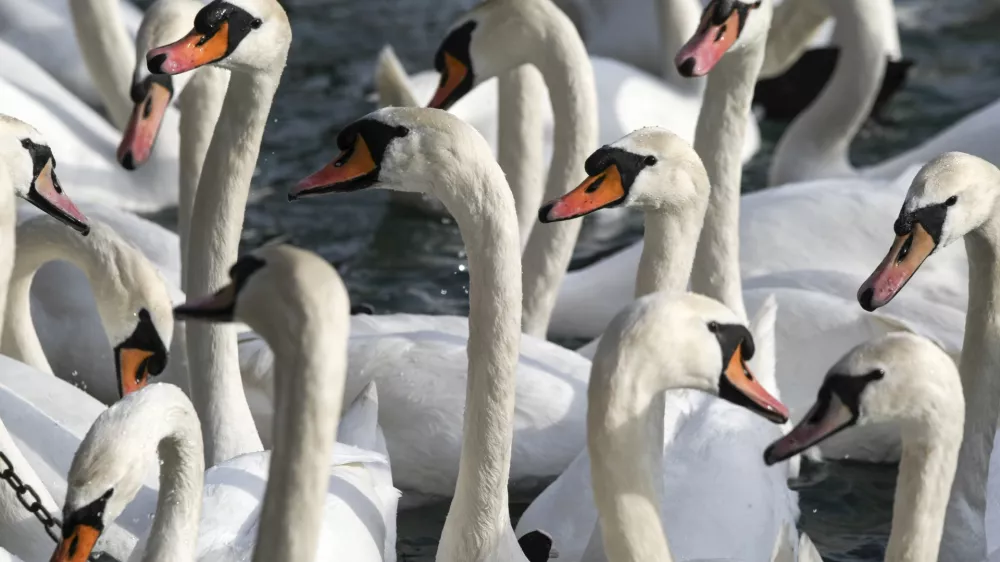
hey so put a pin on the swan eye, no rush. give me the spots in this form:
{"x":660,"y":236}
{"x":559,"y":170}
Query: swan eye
{"x":713,"y":326}
{"x":256,"y":23}
{"x":650,"y":161}
{"x":951,"y":201}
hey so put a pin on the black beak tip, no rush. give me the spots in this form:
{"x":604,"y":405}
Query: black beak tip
{"x":292,"y":197}
{"x":84,"y":229}
{"x":543,"y":213}
{"x":155,"y":63}
{"x":686,"y":68}
{"x":769,"y":457}
{"x":128,"y":162}
{"x":865,"y":297}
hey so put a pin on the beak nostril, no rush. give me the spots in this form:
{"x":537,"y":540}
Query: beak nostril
{"x":865,"y":298}
{"x":686,"y":68}
{"x":155,"y":63}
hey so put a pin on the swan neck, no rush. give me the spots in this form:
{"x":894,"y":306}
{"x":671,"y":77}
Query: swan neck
{"x":310,"y":370}
{"x":965,"y":532}
{"x":108,"y":52}
{"x":718,"y":140}
{"x":20,"y":340}
{"x":520,"y":147}
{"x":816,"y":144}
{"x":216,"y":223}
{"x":478,"y":517}
{"x":622,"y":420}
{"x":569,"y":75}
{"x":669,"y":245}
{"x":926,"y":470}
{"x":200,"y":104}
{"x":173,"y":536}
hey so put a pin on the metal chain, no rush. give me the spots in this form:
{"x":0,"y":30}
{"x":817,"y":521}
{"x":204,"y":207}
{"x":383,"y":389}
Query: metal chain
{"x":32,"y":502}
{"x":29,"y":498}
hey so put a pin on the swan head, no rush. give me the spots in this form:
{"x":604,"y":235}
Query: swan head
{"x":404,"y":149}
{"x":899,"y":378}
{"x":649,"y":169}
{"x":110,"y":466}
{"x":135,"y":309}
{"x":152,"y":94}
{"x":273,"y":281}
{"x":241,"y":35}
{"x":726,"y":25}
{"x":493,"y":37}
{"x":32,"y":169}
{"x":693,"y":342}
{"x":951,"y":196}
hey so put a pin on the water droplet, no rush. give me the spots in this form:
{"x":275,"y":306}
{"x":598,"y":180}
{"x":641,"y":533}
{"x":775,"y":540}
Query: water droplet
{"x":461,"y":267}
{"x":444,"y":292}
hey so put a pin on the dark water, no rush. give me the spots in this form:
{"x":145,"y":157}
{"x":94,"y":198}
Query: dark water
{"x":399,"y":260}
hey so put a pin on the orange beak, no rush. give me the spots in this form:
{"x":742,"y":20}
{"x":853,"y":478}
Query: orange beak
{"x":351,"y":170}
{"x":596,"y":192}
{"x":905,"y":256}
{"x":133,"y":372}
{"x":143,"y":126}
{"x":739,"y":386}
{"x":708,"y":45}
{"x":77,"y":545}
{"x":454,"y":75}
{"x":190,"y":52}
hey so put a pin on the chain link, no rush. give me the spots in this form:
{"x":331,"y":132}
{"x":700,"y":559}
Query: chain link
{"x":31,"y":501}
{"x":29,"y":498}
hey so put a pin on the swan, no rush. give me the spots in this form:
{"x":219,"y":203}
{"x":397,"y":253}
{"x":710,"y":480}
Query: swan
{"x":254,"y":47}
{"x":200,"y":95}
{"x":907,"y":381}
{"x":954,"y":197}
{"x":131,"y":299}
{"x":657,"y":172}
{"x":548,"y":413}
{"x":39,"y":29}
{"x":669,"y":341}
{"x":341,"y":524}
{"x":416,"y":149}
{"x":816,"y":145}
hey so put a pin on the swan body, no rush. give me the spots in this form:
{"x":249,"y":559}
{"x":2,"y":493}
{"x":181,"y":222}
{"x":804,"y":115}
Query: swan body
{"x":39,"y":29}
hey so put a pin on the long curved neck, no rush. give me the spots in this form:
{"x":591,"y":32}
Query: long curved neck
{"x":668,"y":251}
{"x":965,"y":533}
{"x":19,"y":530}
{"x":678,"y":20}
{"x":478,"y":514}
{"x":216,"y":223}
{"x":569,"y":76}
{"x":520,"y":150}
{"x":926,"y":471}
{"x":793,"y":26}
{"x":621,"y":420}
{"x":311,"y":367}
{"x":173,"y":536}
{"x":816,"y":144}
{"x":200,"y":104}
{"x":108,"y":53}
{"x":718,"y":140}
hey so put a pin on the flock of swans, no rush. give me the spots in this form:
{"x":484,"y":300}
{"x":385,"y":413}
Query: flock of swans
{"x":174,"y":400}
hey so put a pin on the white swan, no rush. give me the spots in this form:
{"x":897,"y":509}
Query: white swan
{"x":906,"y":381}
{"x":429,"y":350}
{"x":254,"y":47}
{"x":39,"y":29}
{"x":307,"y":509}
{"x":660,"y":174}
{"x":667,"y":341}
{"x":430,"y":151}
{"x":954,"y":197}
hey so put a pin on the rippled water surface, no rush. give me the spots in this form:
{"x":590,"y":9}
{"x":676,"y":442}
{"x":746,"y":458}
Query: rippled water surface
{"x":399,"y":260}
